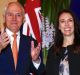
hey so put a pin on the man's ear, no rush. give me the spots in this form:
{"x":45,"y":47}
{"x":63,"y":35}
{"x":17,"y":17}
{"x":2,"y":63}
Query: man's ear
{"x":3,"y":18}
{"x":24,"y":19}
{"x":2,"y":25}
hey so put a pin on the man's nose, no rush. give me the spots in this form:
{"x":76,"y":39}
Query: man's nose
{"x":14,"y":17}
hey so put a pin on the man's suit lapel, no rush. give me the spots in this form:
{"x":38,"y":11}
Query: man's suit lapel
{"x":10,"y":57}
{"x":23,"y":56}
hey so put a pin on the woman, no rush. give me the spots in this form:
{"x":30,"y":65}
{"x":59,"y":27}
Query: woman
{"x":64,"y":55}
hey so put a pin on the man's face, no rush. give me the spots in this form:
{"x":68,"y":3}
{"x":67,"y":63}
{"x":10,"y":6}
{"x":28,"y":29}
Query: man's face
{"x":14,"y":17}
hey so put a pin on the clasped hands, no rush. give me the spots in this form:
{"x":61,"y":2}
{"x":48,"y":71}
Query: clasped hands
{"x":35,"y":51}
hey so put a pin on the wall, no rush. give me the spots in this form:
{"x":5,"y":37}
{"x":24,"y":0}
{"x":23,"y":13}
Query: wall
{"x":2,"y":6}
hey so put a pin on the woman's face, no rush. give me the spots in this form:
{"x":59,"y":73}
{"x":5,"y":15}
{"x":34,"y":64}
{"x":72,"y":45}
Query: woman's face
{"x":66,"y":24}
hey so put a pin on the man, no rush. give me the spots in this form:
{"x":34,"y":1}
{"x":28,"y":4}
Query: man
{"x":27,"y":57}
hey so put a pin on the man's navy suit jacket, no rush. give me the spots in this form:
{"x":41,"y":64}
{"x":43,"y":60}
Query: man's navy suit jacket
{"x":24,"y":65}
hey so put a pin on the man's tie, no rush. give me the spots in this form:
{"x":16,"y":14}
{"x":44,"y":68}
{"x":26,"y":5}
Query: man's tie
{"x":14,"y":50}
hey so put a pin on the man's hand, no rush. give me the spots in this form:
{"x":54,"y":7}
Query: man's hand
{"x":35,"y":52}
{"x":4,"y":39}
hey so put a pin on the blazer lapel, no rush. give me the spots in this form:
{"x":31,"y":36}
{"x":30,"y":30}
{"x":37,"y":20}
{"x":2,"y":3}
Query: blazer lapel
{"x":23,"y":58}
{"x":10,"y":57}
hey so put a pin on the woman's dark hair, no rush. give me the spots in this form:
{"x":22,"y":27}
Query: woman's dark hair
{"x":59,"y":37}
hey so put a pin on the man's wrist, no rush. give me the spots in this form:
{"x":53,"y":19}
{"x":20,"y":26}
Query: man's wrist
{"x":37,"y":63}
{"x":38,"y":60}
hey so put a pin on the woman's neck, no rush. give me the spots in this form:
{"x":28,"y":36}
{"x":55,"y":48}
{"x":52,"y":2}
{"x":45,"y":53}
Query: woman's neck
{"x":68,"y":41}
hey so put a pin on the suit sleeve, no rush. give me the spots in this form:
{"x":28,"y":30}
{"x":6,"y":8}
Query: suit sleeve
{"x":41,"y":68}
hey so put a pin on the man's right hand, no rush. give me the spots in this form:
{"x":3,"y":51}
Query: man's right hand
{"x":4,"y":39}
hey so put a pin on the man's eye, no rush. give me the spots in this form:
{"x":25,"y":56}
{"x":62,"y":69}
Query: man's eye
{"x":9,"y":14}
{"x":19,"y":15}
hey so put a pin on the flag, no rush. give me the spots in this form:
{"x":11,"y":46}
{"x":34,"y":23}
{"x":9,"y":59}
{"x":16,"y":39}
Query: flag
{"x":32,"y":25}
